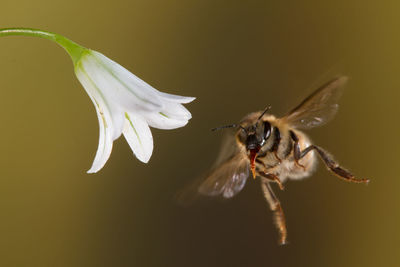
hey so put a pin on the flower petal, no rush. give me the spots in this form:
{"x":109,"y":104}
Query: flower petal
{"x":110,"y":120}
{"x":138,"y":135}
{"x":173,"y":116}
{"x":119,"y":84}
{"x":162,"y":121}
{"x":177,"y":98}
{"x":177,"y":111}
{"x":105,"y":143}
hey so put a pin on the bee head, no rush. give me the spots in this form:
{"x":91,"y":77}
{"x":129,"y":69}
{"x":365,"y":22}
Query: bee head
{"x":256,"y":135}
{"x":252,"y":133}
{"x":253,"y":136}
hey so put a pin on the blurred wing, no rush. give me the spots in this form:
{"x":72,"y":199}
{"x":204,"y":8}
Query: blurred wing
{"x":228,"y":148}
{"x":227,"y":179}
{"x":320,"y":107}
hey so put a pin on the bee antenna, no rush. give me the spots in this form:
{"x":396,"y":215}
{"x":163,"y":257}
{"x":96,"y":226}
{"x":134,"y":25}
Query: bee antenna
{"x":229,"y":126}
{"x":224,"y":127}
{"x":262,"y":114}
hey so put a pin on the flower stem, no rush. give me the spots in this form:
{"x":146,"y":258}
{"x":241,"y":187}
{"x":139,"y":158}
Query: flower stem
{"x":73,"y":49}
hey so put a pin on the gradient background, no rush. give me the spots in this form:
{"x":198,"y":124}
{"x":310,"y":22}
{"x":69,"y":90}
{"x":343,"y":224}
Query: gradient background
{"x":235,"y":57}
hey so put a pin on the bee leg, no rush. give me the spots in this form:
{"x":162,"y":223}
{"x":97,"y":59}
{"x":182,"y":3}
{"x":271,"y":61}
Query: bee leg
{"x":296,"y":149}
{"x":277,"y":157}
{"x":272,"y":177}
{"x":274,"y":204}
{"x":333,"y":165}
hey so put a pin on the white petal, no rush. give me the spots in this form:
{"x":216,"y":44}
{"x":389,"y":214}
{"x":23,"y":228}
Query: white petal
{"x":173,"y":116}
{"x":138,"y":135}
{"x":162,"y":121}
{"x":119,"y":84}
{"x":110,"y":109}
{"x":176,"y":111}
{"x":177,"y":98}
{"x":110,"y":121}
{"x":134,"y":82}
{"x":105,"y":144}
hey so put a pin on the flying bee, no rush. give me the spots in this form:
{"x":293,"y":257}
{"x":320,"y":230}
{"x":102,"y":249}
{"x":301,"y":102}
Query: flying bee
{"x":275,"y":150}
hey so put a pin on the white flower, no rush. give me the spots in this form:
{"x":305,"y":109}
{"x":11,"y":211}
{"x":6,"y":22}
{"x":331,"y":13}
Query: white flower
{"x":126,"y":105}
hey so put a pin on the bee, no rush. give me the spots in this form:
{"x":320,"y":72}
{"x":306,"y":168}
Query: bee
{"x":275,"y":150}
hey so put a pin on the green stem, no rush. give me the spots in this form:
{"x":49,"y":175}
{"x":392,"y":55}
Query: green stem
{"x":73,"y":49}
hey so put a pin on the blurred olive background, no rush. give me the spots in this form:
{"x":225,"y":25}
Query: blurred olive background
{"x":235,"y":57}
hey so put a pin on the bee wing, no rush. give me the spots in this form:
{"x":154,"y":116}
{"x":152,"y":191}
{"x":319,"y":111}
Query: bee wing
{"x":227,"y":179}
{"x":228,"y":148}
{"x":318,"y":108}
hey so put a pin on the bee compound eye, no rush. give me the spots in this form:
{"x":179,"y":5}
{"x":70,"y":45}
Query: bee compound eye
{"x":242,"y":135}
{"x":267,"y":130}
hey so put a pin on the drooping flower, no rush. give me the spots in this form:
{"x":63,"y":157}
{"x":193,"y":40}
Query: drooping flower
{"x":124,"y":103}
